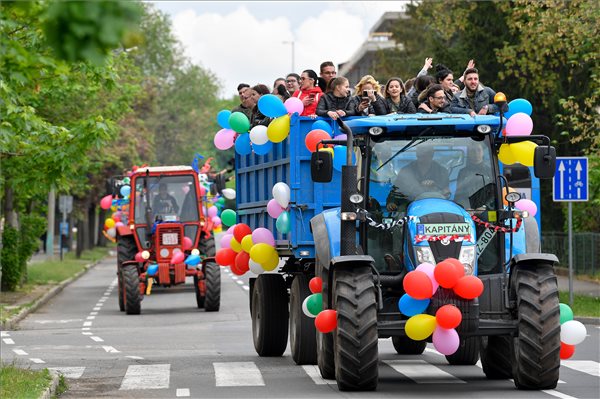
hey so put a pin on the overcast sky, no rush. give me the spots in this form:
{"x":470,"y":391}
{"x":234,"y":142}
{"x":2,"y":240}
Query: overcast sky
{"x":243,"y":41}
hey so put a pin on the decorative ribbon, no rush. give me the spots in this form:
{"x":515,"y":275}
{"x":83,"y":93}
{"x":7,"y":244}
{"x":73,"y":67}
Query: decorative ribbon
{"x":494,"y":227}
{"x":454,"y":237}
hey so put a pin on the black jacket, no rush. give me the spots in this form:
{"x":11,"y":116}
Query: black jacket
{"x":445,"y":108}
{"x":257,"y":118}
{"x":329,"y":102}
{"x":376,"y":107}
{"x":404,"y":107}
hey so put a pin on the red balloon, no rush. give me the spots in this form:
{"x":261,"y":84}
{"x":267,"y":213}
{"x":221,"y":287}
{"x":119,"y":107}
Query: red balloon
{"x":177,"y":257}
{"x":240,"y":231}
{"x":187,"y":243}
{"x":138,"y":257}
{"x":313,"y":137}
{"x":116,"y":217}
{"x":326,"y":320}
{"x":448,"y":316}
{"x":315,"y":285}
{"x":460,"y":268}
{"x":446,"y":274}
{"x":566,"y":351}
{"x":418,"y":285}
{"x":225,"y":256}
{"x":469,"y":287}
{"x":241,"y":262}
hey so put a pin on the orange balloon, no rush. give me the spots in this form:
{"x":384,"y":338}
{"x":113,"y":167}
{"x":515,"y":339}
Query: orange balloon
{"x":313,"y":137}
{"x":446,"y":274}
{"x":418,"y":285}
{"x":469,"y":287}
{"x":448,"y":316}
{"x":326,"y":320}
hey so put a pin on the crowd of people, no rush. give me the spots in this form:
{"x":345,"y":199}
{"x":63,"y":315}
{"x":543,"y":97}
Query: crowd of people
{"x":329,"y":95}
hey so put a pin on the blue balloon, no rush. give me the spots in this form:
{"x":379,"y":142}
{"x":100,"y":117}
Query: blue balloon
{"x":323,"y":125}
{"x":223,"y":119}
{"x":192,"y":260}
{"x":270,"y":105}
{"x":152,"y":269}
{"x":262,"y":149}
{"x":339,"y":157}
{"x":125,"y":191}
{"x":519,"y":105}
{"x":410,"y":306}
{"x":242,"y":144}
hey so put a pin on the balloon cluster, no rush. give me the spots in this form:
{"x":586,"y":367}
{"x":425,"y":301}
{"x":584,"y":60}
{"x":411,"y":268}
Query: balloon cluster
{"x":120,"y":208}
{"x":312,"y":306}
{"x":277,"y":207}
{"x":236,"y":126}
{"x":519,"y":123}
{"x":243,"y":249}
{"x":321,"y":130}
{"x":572,"y":332}
{"x":420,"y":285}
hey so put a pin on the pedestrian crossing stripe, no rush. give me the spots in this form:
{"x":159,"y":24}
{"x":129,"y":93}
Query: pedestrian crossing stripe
{"x":151,"y":376}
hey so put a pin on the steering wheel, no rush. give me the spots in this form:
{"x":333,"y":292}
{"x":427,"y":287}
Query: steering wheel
{"x":430,"y":194}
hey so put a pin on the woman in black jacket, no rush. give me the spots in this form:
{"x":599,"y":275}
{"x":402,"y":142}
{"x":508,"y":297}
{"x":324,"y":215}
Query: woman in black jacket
{"x":335,"y":102}
{"x":396,"y":100}
{"x":257,"y":117}
{"x":367,"y":100}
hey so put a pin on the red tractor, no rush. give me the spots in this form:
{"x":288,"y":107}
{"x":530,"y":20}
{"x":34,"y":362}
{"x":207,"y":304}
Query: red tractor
{"x":164,"y":217}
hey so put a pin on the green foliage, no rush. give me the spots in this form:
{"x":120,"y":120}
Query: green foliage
{"x":11,"y":269}
{"x":30,"y":230}
{"x":583,"y":305}
{"x":18,"y":382}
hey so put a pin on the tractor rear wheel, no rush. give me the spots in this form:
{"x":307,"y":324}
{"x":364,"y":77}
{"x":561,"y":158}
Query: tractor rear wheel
{"x":133,"y":298}
{"x":212,"y":274}
{"x":407,"y":346}
{"x":302,"y":328}
{"x":467,"y":353}
{"x":199,"y":297}
{"x":536,"y":347}
{"x":495,"y":357}
{"x":126,"y":250}
{"x":270,"y":315}
{"x":355,"y":338}
{"x":121,"y":289}
{"x":207,"y":245}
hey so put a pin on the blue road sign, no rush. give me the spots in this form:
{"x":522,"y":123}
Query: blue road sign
{"x":570,"y":181}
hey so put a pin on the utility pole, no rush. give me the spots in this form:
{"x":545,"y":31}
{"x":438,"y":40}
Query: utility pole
{"x":50,"y":227}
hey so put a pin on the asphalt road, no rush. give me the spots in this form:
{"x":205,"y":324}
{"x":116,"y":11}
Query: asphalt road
{"x":173,"y":349}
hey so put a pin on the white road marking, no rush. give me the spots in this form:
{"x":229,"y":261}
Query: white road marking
{"x":103,"y":299}
{"x":558,"y":394}
{"x":152,"y":376}
{"x":90,"y":317}
{"x":86,"y":332}
{"x":315,"y":375}
{"x":8,"y":341}
{"x":87,"y":323}
{"x":99,"y":304}
{"x":234,"y":278}
{"x":422,"y":372}
{"x":585,"y":366}
{"x":240,"y":282}
{"x":182,"y":392}
{"x":97,"y":308}
{"x":69,"y":372}
{"x":56,"y":321}
{"x":20,"y":352}
{"x":93,"y":313}
{"x":85,"y":328}
{"x":4,"y":334}
{"x":97,"y":339}
{"x":37,"y":360}
{"x":235,"y":374}
{"x":246,"y":288}
{"x":135,"y":357}
{"x":110,"y":349}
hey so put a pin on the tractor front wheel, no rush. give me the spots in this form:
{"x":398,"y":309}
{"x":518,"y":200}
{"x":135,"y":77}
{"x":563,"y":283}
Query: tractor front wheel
{"x":467,"y":353}
{"x":302,"y":328}
{"x":199,"y":297}
{"x":270,"y":315}
{"x":133,"y":297}
{"x":495,"y":357}
{"x":407,"y":346}
{"x":212,"y":274}
{"x":121,"y":293}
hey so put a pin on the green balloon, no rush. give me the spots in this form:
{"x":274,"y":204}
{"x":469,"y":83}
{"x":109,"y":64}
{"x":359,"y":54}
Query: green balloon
{"x":566,"y":314}
{"x":126,"y":180}
{"x":221,"y":201}
{"x":314,"y":304}
{"x":228,"y":217}
{"x":239,"y":122}
{"x":283,"y":223}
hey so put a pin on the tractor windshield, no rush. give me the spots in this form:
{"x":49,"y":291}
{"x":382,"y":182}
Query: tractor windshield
{"x":171,"y":198}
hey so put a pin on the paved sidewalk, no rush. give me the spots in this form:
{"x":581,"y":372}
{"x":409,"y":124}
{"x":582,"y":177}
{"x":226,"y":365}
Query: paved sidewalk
{"x":579,"y":286}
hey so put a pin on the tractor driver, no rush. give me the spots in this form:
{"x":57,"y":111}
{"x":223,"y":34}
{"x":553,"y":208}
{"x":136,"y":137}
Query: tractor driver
{"x":164,"y":203}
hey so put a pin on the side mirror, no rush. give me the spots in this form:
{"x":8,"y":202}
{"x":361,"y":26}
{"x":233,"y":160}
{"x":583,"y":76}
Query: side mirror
{"x":544,"y":162}
{"x":321,"y":166}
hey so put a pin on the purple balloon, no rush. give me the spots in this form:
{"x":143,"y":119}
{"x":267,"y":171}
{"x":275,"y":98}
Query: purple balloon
{"x":216,"y":221}
{"x":527,"y":205}
{"x":427,"y":268}
{"x":294,"y":104}
{"x":274,"y":209}
{"x":224,"y":139}
{"x":445,"y":340}
{"x":212,"y":211}
{"x":230,"y":230}
{"x":262,"y":235}
{"x":520,"y":124}
{"x":341,"y":137}
{"x":226,"y":241}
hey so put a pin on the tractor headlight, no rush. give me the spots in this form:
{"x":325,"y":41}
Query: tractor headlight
{"x":424,"y":255}
{"x":484,"y":129}
{"x":164,"y":252}
{"x":375,"y":130}
{"x":145,"y":255}
{"x":467,"y":258}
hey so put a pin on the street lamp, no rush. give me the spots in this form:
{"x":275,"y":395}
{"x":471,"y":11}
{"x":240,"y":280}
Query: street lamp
{"x":292,"y":43}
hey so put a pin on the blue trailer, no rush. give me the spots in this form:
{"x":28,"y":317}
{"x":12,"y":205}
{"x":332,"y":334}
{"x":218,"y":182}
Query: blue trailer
{"x":362,"y":229}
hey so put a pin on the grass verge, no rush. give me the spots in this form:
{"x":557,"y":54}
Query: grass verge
{"x":583,"y":305}
{"x":23,"y":383}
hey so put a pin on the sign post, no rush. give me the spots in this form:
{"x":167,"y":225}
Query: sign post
{"x":570,"y":184}
{"x":65,"y":205}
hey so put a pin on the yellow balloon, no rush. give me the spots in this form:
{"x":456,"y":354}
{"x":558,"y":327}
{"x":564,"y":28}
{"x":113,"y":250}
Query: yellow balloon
{"x":328,"y":149}
{"x":272,"y":263}
{"x":279,"y":129}
{"x":261,"y":252}
{"x":523,"y":152}
{"x":247,"y":243}
{"x":218,"y":229}
{"x":113,"y":208}
{"x":109,"y":223}
{"x":505,"y":155}
{"x":235,"y":245}
{"x":420,"y":327}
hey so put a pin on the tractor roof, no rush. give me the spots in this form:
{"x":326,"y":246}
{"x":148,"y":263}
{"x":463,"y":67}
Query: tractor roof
{"x":403,"y":122}
{"x":164,"y":169}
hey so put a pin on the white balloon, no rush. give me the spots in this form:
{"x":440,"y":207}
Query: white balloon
{"x":305,"y":308}
{"x":112,"y":232}
{"x":195,"y":251}
{"x":281,"y":193}
{"x":228,"y":193}
{"x":258,"y":135}
{"x":572,"y":332}
{"x":255,"y":267}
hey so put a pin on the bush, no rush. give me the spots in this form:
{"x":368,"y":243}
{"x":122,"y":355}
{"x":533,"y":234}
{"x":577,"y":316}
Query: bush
{"x":11,"y":268}
{"x":32,"y":227}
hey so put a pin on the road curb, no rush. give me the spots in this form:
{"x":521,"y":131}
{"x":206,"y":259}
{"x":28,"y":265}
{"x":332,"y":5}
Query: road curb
{"x":12,"y":322}
{"x":589,"y":320}
{"x":51,"y":390}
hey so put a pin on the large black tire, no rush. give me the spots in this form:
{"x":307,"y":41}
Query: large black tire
{"x":536,"y":348}
{"x":355,"y":338}
{"x":212,"y":300}
{"x":303,"y":334}
{"x":133,"y":298}
{"x":407,"y":346}
{"x":206,"y":246}
{"x":270,"y":315}
{"x":199,"y":297}
{"x":467,"y":353}
{"x":121,"y":291}
{"x":126,"y":250}
{"x":495,"y":357}
{"x":325,"y":355}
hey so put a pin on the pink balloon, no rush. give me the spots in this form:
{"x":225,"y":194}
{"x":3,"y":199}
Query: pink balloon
{"x":224,"y":139}
{"x":294,"y":104}
{"x":106,"y":202}
{"x":138,"y":257}
{"x":262,"y":235}
{"x":526,"y":205}
{"x":428,"y":268}
{"x":341,"y":137}
{"x":119,"y":224}
{"x":212,"y":211}
{"x":226,"y":241}
{"x":520,"y":124}
{"x":230,"y":230}
{"x":216,"y":221}
{"x":177,"y":257}
{"x":446,"y":341}
{"x":274,"y":209}
{"x":187,"y":243}
{"x":202,"y":191}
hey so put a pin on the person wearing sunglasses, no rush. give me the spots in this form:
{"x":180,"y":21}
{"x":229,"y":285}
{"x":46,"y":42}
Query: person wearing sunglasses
{"x":435,"y":101}
{"x":309,"y":92}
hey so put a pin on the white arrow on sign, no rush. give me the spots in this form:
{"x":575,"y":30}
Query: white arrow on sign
{"x":561,"y":169}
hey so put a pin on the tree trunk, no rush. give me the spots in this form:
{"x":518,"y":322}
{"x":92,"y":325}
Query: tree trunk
{"x":50,"y":228}
{"x":80,"y":239}
{"x":9,"y":212}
